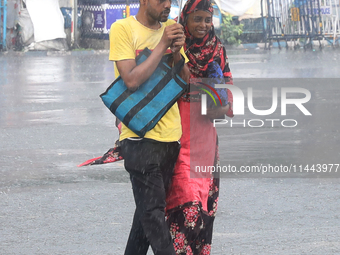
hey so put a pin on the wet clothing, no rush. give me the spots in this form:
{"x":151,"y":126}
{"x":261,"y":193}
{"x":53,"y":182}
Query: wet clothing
{"x":127,"y":38}
{"x":192,"y":202}
{"x":150,"y":164}
{"x":149,"y":160}
{"x":191,"y":228}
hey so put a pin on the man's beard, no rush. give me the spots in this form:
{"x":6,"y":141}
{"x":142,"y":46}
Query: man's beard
{"x":154,"y":15}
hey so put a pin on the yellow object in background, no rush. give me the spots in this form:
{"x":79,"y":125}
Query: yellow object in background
{"x":295,"y":13}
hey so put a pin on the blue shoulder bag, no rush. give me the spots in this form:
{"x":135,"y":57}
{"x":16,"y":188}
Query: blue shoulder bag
{"x":140,"y":110}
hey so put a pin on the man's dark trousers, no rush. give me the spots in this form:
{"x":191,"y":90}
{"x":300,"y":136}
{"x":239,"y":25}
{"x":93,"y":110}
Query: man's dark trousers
{"x":150,"y":164}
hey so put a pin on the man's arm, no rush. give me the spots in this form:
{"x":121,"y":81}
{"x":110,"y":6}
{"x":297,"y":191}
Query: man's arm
{"x":185,"y":72}
{"x":176,"y":47}
{"x":134,"y":75}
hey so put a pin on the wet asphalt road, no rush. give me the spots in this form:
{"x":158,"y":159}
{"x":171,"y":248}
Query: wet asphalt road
{"x":51,"y":119}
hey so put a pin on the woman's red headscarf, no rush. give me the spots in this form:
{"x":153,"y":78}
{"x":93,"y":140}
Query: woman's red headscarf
{"x":204,"y":50}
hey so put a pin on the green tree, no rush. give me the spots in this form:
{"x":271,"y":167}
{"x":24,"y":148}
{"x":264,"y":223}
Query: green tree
{"x":230,"y":31}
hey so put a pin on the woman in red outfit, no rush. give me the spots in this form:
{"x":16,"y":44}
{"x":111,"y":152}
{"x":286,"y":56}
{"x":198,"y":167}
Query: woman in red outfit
{"x":192,"y":202}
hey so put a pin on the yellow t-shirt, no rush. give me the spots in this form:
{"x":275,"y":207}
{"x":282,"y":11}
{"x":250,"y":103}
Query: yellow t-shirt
{"x":127,"y":38}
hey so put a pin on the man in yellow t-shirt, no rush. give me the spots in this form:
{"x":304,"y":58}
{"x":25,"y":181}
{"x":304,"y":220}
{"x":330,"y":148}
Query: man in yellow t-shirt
{"x":149,"y":160}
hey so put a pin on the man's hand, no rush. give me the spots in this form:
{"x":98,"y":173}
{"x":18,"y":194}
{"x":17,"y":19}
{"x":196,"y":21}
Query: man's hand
{"x":171,"y":33}
{"x":175,"y":47}
{"x":134,"y":75}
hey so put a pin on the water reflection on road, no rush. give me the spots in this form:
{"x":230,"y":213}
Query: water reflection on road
{"x":52,"y":119}
{"x":51,"y":114}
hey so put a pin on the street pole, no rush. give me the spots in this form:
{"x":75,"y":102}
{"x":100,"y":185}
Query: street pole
{"x":75,"y":23}
{"x":127,"y":8}
{"x":4,"y":16}
{"x":72,"y":21}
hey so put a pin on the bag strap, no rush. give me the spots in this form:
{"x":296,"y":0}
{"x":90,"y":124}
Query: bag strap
{"x":166,"y":58}
{"x":178,"y":66}
{"x":146,"y":52}
{"x":175,"y":69}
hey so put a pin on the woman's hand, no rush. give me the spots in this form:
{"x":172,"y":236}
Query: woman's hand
{"x":218,"y":112}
